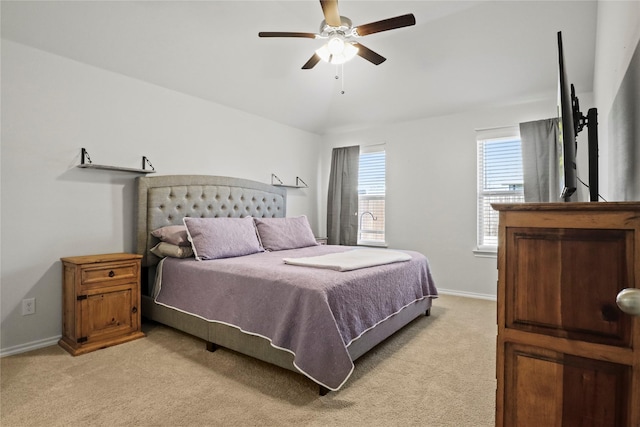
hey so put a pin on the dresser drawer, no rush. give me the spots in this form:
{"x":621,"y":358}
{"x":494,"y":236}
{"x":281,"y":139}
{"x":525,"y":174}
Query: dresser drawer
{"x":105,"y":275}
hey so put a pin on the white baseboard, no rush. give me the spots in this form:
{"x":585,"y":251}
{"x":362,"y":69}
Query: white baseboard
{"x":33,"y":345}
{"x":467,"y":294}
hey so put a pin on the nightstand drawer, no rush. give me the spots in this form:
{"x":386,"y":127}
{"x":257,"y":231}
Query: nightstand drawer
{"x":106,"y":275}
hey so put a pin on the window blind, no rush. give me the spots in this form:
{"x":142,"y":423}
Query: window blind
{"x":499,"y":181}
{"x":502,"y":161}
{"x":371,"y":175}
{"x":371,"y":196}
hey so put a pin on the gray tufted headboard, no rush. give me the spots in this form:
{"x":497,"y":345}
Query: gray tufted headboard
{"x":165,"y":200}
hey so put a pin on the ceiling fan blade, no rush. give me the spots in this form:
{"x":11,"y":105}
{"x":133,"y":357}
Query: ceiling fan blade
{"x":369,"y":55}
{"x":386,"y":24}
{"x":285,"y":34}
{"x":331,"y":14}
{"x":311,"y":62}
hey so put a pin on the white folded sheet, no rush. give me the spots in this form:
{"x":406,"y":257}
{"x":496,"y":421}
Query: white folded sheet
{"x":351,"y":260}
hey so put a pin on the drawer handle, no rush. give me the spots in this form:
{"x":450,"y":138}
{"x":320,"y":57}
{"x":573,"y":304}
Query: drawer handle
{"x":134,"y":309}
{"x":111,"y":273}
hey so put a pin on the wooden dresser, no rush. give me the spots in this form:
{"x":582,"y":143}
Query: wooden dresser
{"x":101,"y":301}
{"x":567,"y":355}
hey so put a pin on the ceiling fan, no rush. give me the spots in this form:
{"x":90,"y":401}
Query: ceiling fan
{"x":341,"y":36}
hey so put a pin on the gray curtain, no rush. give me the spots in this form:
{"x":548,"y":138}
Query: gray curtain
{"x":540,"y":160}
{"x":342,"y":205}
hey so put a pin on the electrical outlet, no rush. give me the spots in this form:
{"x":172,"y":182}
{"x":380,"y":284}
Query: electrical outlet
{"x":28,"y":306}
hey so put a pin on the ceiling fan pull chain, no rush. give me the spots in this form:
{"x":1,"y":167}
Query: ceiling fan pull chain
{"x":340,"y":75}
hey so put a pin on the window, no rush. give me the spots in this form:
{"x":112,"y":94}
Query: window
{"x":499,"y":180}
{"x":371,"y":195}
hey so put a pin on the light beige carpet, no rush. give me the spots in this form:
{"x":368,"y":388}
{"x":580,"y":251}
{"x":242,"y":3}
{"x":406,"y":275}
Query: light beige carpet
{"x":438,"y":371}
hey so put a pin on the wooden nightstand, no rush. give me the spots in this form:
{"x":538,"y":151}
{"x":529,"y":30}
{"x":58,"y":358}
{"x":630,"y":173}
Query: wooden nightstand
{"x":321,"y":240}
{"x":101,"y":301}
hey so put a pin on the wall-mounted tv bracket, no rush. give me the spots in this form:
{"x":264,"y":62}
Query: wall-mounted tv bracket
{"x":591,"y":122}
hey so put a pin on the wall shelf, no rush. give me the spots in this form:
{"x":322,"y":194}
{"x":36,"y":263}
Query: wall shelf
{"x":299,"y":182}
{"x":86,"y":163}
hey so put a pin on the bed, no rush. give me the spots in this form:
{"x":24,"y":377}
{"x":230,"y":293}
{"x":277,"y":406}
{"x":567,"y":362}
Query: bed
{"x":314,"y":321}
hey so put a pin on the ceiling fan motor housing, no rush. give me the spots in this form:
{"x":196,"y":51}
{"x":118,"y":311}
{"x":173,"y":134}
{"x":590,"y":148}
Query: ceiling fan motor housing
{"x":327,"y":30}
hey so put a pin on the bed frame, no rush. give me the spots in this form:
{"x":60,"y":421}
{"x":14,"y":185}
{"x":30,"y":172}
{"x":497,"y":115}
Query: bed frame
{"x":165,"y":200}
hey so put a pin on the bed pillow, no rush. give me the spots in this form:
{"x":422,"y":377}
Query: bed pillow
{"x":277,"y":234}
{"x":164,"y":249}
{"x":173,"y":234}
{"x":214,"y":238}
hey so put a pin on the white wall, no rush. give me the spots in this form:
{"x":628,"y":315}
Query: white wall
{"x":431,"y":189}
{"x":618,"y":34}
{"x":51,"y":107}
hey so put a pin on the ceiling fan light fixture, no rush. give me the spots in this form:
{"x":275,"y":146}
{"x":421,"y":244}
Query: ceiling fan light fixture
{"x":336,"y":45}
{"x":348,"y":52}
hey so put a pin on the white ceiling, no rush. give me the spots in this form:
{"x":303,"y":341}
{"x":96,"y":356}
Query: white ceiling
{"x":460,"y":56}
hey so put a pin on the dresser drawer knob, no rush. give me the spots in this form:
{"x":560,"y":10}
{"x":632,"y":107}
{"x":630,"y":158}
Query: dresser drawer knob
{"x":134,"y":309}
{"x":111,"y":273}
{"x":629,"y":301}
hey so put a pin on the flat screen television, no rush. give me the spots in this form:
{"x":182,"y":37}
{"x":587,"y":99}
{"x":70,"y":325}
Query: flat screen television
{"x":567,"y":134}
{"x":572,"y":121}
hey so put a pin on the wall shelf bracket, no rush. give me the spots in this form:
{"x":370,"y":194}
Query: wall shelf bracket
{"x":87,"y":163}
{"x":299,"y":182}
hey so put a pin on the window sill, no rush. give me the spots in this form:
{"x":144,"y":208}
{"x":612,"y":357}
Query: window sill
{"x":373,"y":244}
{"x":486,"y":252}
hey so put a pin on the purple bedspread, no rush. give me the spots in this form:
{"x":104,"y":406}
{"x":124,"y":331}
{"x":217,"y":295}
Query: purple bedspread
{"x":313,"y":313}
